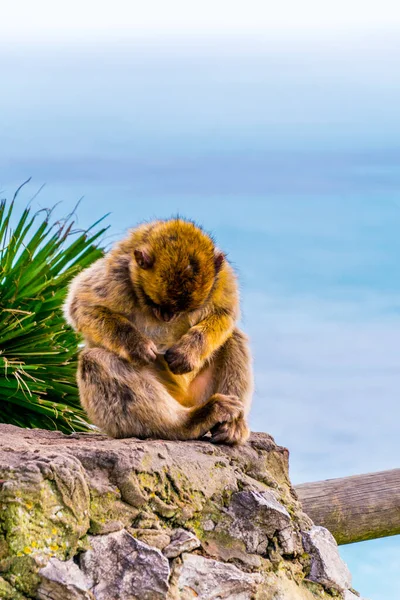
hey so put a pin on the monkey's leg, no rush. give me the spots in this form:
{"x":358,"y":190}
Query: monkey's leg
{"x":128,"y":401}
{"x":233,"y":376}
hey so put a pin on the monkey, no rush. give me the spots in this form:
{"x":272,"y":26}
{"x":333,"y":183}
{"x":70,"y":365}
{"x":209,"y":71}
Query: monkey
{"x":163,"y":356}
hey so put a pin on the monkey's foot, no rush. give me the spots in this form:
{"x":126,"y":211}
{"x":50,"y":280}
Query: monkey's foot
{"x":233,"y":433}
{"x":225,"y":408}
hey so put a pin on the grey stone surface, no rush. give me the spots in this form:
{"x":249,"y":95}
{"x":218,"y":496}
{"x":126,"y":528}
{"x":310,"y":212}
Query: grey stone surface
{"x":132,"y":498}
{"x":257,"y":517}
{"x":181,"y":541}
{"x":327,"y":567}
{"x":260,"y":508}
{"x":208,"y":525}
{"x":63,"y":581}
{"x":151,"y":537}
{"x":290,"y":541}
{"x":207,"y":579}
{"x":119,"y":567}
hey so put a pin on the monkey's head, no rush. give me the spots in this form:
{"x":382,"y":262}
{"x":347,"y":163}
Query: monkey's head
{"x":176,"y":264}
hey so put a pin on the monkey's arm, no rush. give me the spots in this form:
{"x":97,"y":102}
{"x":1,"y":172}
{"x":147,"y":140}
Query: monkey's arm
{"x":213,"y":329}
{"x":201,"y":341}
{"x":112,"y":331}
{"x":91,"y":310}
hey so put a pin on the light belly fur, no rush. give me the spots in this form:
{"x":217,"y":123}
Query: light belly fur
{"x":190,"y":389}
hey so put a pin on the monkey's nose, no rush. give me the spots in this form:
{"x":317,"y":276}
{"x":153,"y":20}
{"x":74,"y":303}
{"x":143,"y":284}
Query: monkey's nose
{"x":167,"y":315}
{"x":164,"y":314}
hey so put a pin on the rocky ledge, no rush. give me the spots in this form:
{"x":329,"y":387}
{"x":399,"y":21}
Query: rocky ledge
{"x":85,"y":517}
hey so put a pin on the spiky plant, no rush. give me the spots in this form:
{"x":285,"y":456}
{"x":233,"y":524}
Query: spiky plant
{"x":38,"y":350}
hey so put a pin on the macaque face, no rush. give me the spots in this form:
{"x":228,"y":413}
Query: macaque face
{"x":177,"y":269}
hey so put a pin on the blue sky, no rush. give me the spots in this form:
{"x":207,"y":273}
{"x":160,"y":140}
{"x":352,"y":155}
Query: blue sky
{"x":288,"y":151}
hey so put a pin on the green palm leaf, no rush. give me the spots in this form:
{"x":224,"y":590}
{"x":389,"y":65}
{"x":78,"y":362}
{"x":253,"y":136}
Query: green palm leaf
{"x":37,"y":348}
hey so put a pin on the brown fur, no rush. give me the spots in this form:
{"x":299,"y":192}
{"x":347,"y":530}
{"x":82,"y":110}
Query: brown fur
{"x":163,"y":356}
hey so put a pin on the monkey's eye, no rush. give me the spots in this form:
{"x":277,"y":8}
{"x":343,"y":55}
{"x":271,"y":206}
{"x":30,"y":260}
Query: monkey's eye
{"x":150,"y":302}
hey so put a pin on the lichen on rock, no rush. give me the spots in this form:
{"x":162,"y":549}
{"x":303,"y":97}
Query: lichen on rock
{"x":87,"y":517}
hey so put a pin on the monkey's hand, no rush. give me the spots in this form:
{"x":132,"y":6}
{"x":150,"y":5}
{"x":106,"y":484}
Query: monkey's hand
{"x":114,"y":332}
{"x":142,"y":351}
{"x":185,"y":356}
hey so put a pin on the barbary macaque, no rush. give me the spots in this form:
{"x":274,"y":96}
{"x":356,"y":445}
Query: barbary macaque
{"x":163,"y":357}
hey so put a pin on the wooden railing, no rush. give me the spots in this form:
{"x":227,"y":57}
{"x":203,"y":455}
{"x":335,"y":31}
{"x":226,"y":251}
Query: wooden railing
{"x":362,"y":507}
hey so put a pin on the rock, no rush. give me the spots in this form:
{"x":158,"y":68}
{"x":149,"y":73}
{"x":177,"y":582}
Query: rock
{"x":290,"y":541}
{"x":279,"y":587}
{"x":47,"y":494}
{"x":208,"y":525}
{"x":260,"y":508}
{"x":208,"y":579}
{"x":151,"y":537}
{"x":63,"y":581}
{"x":252,"y":520}
{"x":257,"y":517}
{"x":327,"y":567}
{"x":112,"y":505}
{"x":222,"y":546}
{"x":182,"y":541}
{"x":121,"y":567}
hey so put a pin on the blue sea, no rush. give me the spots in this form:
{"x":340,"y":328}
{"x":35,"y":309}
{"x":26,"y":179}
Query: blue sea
{"x":289,"y":153}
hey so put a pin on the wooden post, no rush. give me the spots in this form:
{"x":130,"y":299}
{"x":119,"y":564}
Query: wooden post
{"x":362,"y":507}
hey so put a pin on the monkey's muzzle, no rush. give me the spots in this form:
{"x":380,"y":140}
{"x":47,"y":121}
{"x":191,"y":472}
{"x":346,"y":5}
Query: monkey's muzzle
{"x":165,"y":314}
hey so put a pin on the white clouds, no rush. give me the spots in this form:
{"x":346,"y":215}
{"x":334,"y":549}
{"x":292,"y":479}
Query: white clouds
{"x":24,"y":19}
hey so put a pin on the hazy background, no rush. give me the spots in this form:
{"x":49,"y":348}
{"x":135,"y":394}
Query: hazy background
{"x":279,"y":132}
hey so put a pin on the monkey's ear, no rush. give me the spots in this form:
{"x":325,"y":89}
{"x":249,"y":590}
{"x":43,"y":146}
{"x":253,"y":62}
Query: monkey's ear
{"x":143,"y":258}
{"x":219,"y":258}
